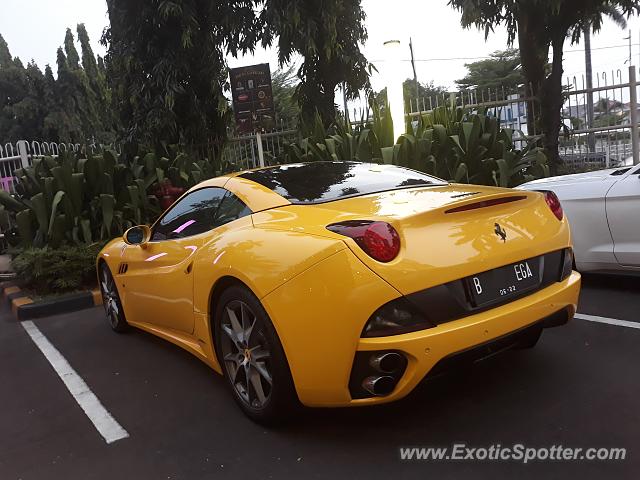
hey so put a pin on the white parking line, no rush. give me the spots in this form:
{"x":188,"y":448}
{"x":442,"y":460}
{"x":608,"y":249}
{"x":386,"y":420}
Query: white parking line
{"x":99,"y":416}
{"x":608,"y":321}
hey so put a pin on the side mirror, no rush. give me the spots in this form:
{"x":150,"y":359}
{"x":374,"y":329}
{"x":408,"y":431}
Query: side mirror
{"x":138,"y":235}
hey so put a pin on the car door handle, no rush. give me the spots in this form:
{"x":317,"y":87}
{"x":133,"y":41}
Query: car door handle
{"x":189,"y":268}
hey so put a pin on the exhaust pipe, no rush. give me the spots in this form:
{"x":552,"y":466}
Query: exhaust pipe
{"x":387,"y":362}
{"x":379,"y":386}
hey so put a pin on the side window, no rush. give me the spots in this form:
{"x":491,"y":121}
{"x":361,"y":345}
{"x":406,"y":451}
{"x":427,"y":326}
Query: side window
{"x":194,"y":214}
{"x":231,"y":209}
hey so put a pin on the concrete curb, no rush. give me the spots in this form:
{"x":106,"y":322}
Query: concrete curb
{"x":24,"y":308}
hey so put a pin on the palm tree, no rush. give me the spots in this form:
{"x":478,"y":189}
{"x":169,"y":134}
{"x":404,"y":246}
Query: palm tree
{"x":542,"y":26}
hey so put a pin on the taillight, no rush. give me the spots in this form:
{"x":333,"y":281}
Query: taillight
{"x":554,"y":204}
{"x":379,"y":240}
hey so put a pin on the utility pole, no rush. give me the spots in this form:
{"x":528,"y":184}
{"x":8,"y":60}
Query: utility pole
{"x":630,"y":49}
{"x":415,"y":75}
{"x":591,"y":138}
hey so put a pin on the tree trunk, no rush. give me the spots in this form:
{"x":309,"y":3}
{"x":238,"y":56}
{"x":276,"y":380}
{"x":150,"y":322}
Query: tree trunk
{"x":327,"y":106}
{"x":591,"y":138}
{"x":317,"y":97}
{"x":534,"y":55}
{"x":551,"y":111}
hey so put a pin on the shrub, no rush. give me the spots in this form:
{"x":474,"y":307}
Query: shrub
{"x":449,"y":142}
{"x":79,"y":201}
{"x":57,"y":270}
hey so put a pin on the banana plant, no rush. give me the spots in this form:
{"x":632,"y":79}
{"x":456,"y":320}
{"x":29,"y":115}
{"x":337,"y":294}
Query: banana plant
{"x":449,"y":142}
{"x":82,"y":200}
{"x":465,"y":147}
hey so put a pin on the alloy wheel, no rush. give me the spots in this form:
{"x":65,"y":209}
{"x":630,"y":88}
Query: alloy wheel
{"x":246,"y":354}
{"x":110,"y":297}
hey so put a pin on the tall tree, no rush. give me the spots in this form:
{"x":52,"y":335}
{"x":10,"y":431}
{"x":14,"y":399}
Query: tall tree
{"x":502,"y":70}
{"x":73,"y":60}
{"x":37,"y":106}
{"x":18,"y":107}
{"x":67,"y":110}
{"x":95,"y":86}
{"x":5,"y":54}
{"x":542,"y":26}
{"x":328,"y":35}
{"x":89,"y":62}
{"x":166,"y":63}
{"x":52,"y":124}
{"x":29,"y":112}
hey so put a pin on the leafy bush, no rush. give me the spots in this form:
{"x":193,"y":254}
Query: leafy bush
{"x":448,"y":142}
{"x":57,"y":270}
{"x":465,"y":147}
{"x":78,"y":201}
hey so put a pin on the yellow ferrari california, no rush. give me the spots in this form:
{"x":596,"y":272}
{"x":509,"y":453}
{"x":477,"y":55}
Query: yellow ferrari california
{"x":340,"y":283}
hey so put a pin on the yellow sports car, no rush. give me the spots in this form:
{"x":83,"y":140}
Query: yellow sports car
{"x":340,"y":283}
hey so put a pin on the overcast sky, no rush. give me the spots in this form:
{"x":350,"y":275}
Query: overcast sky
{"x":35,"y":28}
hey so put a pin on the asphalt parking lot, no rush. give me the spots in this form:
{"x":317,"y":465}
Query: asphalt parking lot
{"x":579,"y":387}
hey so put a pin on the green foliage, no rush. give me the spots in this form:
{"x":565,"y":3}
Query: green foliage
{"x":502,"y":70}
{"x":368,"y":143}
{"x":73,"y":59}
{"x":328,"y":36}
{"x":73,"y":200}
{"x":22,"y":90}
{"x":57,"y":270}
{"x":166,"y":66}
{"x":5,"y":55}
{"x":542,"y":27}
{"x":284,"y":86}
{"x":72,"y":108}
{"x":451,"y":143}
{"x":465,"y":147}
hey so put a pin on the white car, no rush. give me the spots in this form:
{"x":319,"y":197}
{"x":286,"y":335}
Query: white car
{"x":603,"y":208}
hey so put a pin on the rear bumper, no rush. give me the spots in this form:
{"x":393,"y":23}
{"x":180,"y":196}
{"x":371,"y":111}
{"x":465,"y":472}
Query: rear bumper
{"x":319,"y":316}
{"x":498,"y":345}
{"x":429,"y":348}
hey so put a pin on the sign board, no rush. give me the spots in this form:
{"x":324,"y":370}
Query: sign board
{"x":252,"y":98}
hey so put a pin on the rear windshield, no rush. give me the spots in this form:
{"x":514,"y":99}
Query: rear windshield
{"x":320,"y":182}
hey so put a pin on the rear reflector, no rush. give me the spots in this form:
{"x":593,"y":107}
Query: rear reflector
{"x":486,"y":203}
{"x":379,"y":240}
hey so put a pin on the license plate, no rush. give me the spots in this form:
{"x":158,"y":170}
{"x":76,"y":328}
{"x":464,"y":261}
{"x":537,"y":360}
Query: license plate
{"x":503,"y":283}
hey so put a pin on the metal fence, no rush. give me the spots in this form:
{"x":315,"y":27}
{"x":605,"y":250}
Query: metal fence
{"x":262,"y":149}
{"x":600,"y":127}
{"x":243,"y":152}
{"x":22,"y":153}
{"x":600,"y":124}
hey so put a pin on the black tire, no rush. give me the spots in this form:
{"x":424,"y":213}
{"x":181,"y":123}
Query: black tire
{"x":531,"y":340}
{"x":249,"y":360}
{"x":111,"y":301}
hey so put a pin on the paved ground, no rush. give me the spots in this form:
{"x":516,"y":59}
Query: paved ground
{"x":580,"y":387}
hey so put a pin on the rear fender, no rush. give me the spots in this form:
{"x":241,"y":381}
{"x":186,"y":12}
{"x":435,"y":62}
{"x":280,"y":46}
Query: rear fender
{"x":262,"y":259}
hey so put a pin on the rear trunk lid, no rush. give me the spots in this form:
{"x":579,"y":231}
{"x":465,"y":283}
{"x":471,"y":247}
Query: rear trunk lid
{"x":447,"y":232}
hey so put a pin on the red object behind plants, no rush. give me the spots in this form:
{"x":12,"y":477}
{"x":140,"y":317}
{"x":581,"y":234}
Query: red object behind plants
{"x":167,"y":194}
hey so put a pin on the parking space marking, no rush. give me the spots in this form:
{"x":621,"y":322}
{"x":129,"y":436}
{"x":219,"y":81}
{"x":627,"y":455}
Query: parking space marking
{"x":608,"y":321}
{"x":106,"y":425}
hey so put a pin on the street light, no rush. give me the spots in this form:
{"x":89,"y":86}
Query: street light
{"x":394,"y":79}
